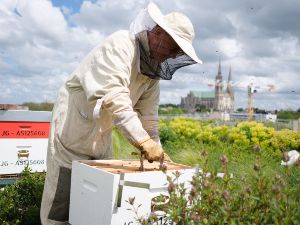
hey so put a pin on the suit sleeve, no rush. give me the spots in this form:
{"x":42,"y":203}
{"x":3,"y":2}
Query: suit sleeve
{"x":105,"y":78}
{"x":147,"y":108}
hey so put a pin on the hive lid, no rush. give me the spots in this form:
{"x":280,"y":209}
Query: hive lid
{"x":131,"y":166}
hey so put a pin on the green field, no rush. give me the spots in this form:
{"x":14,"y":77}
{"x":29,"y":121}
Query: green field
{"x":256,"y":188}
{"x":186,"y":149}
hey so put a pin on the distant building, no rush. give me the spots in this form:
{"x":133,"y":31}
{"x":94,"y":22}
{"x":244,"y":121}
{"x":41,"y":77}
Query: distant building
{"x":217,"y":100}
{"x":271,"y":117}
{"x":13,"y":107}
{"x":197,"y":100}
{"x":256,"y":116}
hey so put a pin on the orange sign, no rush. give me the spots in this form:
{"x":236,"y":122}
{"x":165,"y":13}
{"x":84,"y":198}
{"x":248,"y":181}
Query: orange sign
{"x":24,"y":129}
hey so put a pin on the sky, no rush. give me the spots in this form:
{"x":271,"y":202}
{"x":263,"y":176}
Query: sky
{"x":43,"y":41}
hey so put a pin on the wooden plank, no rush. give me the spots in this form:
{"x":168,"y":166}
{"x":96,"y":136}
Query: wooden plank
{"x":130,"y":166}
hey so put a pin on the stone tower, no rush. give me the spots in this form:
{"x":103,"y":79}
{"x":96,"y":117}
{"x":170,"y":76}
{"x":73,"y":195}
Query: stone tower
{"x":219,"y":89}
{"x":229,"y":94}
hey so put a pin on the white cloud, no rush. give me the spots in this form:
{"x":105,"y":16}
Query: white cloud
{"x":43,"y":44}
{"x":107,"y":16}
{"x":287,"y":48}
{"x":229,"y":47}
{"x":38,"y":45}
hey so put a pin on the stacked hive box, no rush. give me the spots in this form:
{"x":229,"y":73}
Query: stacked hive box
{"x":100,"y":190}
{"x":23,"y":140}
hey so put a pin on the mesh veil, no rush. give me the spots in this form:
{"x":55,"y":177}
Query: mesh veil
{"x":149,"y":67}
{"x":152,"y":68}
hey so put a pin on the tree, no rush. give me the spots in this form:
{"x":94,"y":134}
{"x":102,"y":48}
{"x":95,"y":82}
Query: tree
{"x":289,"y":114}
{"x":43,"y":106}
{"x":20,"y":202}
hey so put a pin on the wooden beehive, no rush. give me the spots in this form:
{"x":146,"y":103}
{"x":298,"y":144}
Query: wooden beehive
{"x":100,"y":189}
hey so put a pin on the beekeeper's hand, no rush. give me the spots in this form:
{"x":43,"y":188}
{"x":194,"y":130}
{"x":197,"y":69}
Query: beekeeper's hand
{"x":151,"y":150}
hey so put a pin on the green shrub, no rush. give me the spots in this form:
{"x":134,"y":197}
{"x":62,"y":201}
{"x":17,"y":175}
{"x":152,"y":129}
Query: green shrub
{"x":257,"y":199}
{"x":289,"y":114}
{"x":166,"y":134}
{"x":174,"y":111}
{"x":222,"y":132}
{"x":185,"y":128}
{"x":180,"y":131}
{"x":20,"y":202}
{"x":286,"y":139}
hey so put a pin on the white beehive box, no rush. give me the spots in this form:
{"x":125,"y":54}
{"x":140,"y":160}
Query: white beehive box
{"x":23,"y":140}
{"x":100,"y":188}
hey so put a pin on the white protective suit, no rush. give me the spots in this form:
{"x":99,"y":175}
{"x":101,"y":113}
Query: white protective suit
{"x":105,"y":90}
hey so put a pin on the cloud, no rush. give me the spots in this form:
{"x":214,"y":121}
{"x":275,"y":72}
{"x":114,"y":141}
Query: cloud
{"x":107,"y":16}
{"x":230,"y":47}
{"x":44,"y":41}
{"x":39,"y":43}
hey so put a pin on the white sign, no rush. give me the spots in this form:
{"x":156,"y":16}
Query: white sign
{"x":16,"y":153}
{"x":21,"y":144}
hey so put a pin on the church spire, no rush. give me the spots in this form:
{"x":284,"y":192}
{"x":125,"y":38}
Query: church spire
{"x":219,"y":69}
{"x":219,"y":77}
{"x":229,"y":75}
{"x":229,"y":88}
{"x":218,"y":89}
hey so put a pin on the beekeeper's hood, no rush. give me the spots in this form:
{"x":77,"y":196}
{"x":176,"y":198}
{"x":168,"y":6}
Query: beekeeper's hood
{"x":178,"y":26}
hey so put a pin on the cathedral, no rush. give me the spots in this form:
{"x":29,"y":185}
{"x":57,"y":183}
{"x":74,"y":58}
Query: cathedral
{"x":221,"y":100}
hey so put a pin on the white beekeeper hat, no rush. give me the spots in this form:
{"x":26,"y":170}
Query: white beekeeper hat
{"x":178,"y":26}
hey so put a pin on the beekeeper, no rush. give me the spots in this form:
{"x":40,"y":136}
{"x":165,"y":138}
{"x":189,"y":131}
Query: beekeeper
{"x":117,"y":84}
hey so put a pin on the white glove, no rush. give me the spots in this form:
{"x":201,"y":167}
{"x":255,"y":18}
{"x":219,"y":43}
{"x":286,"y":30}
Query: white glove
{"x":151,"y":150}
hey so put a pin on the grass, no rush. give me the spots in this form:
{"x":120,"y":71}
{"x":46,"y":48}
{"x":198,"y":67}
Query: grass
{"x":240,"y":164}
{"x":121,"y":147}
